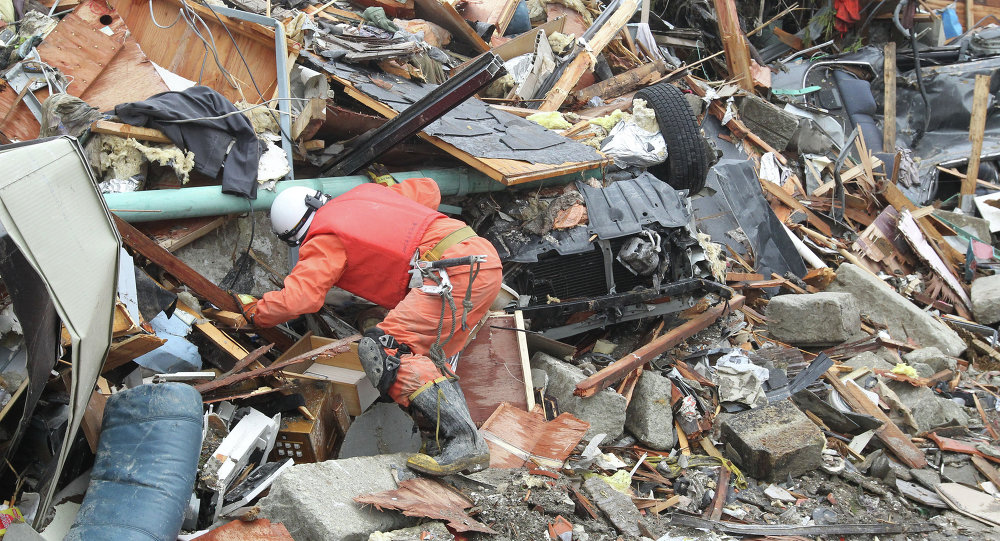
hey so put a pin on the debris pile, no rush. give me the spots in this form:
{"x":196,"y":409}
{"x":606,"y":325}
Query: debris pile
{"x":747,"y":250}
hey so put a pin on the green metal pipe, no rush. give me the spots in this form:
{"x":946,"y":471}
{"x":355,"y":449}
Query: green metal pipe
{"x":151,"y":205}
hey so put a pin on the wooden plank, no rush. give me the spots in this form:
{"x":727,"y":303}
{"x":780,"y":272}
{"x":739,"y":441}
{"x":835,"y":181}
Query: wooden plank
{"x":490,"y":370}
{"x":125,"y":130}
{"x":522,"y":352}
{"x":517,"y":438}
{"x":310,"y":119}
{"x":889,"y":78}
{"x":444,"y":15}
{"x":618,"y":369}
{"x":92,"y":418}
{"x":895,"y":197}
{"x":734,"y":43}
{"x":986,"y":420}
{"x":621,"y":83}
{"x":583,"y":61}
{"x":787,"y":199}
{"x":888,"y":433}
{"x":124,"y":351}
{"x":988,"y":470}
{"x":139,"y":242}
{"x":980,"y":9}
{"x":175,"y":234}
{"x":977,"y":124}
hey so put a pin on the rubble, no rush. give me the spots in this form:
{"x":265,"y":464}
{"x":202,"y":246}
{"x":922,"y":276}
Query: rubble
{"x":649,"y":416}
{"x":986,"y":300}
{"x":819,"y":319}
{"x":605,"y":411}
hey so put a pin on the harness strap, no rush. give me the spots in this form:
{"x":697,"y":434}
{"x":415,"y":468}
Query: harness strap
{"x":453,"y":238}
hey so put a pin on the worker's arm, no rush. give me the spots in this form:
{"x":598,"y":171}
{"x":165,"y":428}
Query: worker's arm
{"x":422,"y":190}
{"x":321,"y":264}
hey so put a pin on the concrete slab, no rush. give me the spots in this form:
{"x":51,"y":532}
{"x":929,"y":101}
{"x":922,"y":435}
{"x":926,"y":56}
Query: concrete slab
{"x":605,"y":411}
{"x":649,"y":417}
{"x":774,"y":442}
{"x":986,"y":299}
{"x":904,"y":319}
{"x":817,"y":319}
{"x":315,"y":501}
{"x":381,"y":430}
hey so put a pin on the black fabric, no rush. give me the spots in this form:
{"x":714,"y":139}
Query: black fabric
{"x":152,"y":297}
{"x":39,"y":321}
{"x":208,"y":139}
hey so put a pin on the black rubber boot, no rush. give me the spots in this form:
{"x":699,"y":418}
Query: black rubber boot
{"x":463,"y":449}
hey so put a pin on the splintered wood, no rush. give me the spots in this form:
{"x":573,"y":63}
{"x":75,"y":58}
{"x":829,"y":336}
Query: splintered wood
{"x":518,"y":438}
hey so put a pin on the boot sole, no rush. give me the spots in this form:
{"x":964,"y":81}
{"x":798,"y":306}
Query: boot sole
{"x":427,"y":465}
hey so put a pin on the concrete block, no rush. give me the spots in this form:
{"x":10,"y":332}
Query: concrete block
{"x":971,"y":224}
{"x":904,"y":319}
{"x":929,"y":410}
{"x":383,"y":429}
{"x":933,"y":357}
{"x":649,"y":417}
{"x":315,"y":501}
{"x":986,"y":299}
{"x":818,"y":319}
{"x":616,"y":506}
{"x":772,"y":124}
{"x":869,"y":359}
{"x":774,"y":442}
{"x":605,"y":411}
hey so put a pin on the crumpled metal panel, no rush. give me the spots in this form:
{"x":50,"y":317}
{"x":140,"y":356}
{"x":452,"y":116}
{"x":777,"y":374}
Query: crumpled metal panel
{"x":624,"y":207}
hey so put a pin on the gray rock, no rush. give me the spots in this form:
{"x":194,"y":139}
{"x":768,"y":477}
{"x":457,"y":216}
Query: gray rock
{"x":382,"y":429}
{"x":818,"y":319}
{"x":926,"y":477}
{"x":924,"y":370}
{"x":616,"y":506}
{"x":904,"y":319}
{"x":971,"y":224}
{"x":315,"y":501}
{"x":868,"y":359}
{"x":964,"y":474}
{"x":774,"y":441}
{"x":986,"y":299}
{"x":933,"y":357}
{"x":929,"y":410}
{"x":437,"y":530}
{"x":605,"y":411}
{"x":649,"y":416}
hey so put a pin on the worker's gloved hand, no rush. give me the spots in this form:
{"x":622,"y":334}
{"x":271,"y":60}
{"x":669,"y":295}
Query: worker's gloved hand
{"x":248,"y":308}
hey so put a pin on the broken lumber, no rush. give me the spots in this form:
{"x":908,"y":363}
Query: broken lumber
{"x":977,"y":124}
{"x":889,"y":433}
{"x":586,"y":59}
{"x":152,"y":251}
{"x":621,"y":83}
{"x":734,"y":43}
{"x":106,"y":127}
{"x":620,"y":368}
{"x":889,"y":78}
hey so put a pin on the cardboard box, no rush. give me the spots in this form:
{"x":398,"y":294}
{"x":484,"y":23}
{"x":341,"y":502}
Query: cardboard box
{"x":312,"y":440}
{"x":343,"y":369}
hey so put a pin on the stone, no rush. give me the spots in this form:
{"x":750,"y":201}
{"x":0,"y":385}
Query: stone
{"x":605,"y":411}
{"x":772,"y":124}
{"x":971,"y":224}
{"x":774,"y":442}
{"x":986,"y":299}
{"x":929,"y":410}
{"x":428,"y":530}
{"x":380,"y":430}
{"x":616,"y":506}
{"x":868,"y":359}
{"x":316,"y":501}
{"x":926,"y":477}
{"x":904,"y":319}
{"x":964,"y":474}
{"x":931,"y":356}
{"x":649,"y":417}
{"x":817,"y":319}
{"x":924,"y":370}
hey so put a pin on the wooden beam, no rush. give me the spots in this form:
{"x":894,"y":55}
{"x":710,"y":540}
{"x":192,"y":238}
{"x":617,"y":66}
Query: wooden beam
{"x":152,"y":251}
{"x":139,"y":133}
{"x":787,"y":199}
{"x":889,"y":433}
{"x":620,"y":368}
{"x":889,"y":78}
{"x":583,"y":61}
{"x":622,"y":83}
{"x":977,"y":124}
{"x":734,"y":43}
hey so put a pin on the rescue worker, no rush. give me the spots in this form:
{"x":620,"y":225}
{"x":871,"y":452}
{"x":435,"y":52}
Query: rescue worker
{"x":365,"y":242}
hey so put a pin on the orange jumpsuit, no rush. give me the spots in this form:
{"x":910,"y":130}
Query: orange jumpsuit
{"x":414,"y":321}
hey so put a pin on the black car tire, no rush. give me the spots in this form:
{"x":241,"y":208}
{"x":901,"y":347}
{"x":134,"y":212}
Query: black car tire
{"x":688,"y":161}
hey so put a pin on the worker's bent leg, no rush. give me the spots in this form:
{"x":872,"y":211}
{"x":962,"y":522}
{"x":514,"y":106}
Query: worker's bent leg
{"x":415,"y":371}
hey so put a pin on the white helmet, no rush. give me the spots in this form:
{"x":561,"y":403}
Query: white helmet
{"x":292,"y":211}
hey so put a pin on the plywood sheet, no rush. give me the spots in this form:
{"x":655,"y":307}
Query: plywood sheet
{"x":181,"y":51}
{"x":518,"y":438}
{"x":490,"y":369}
